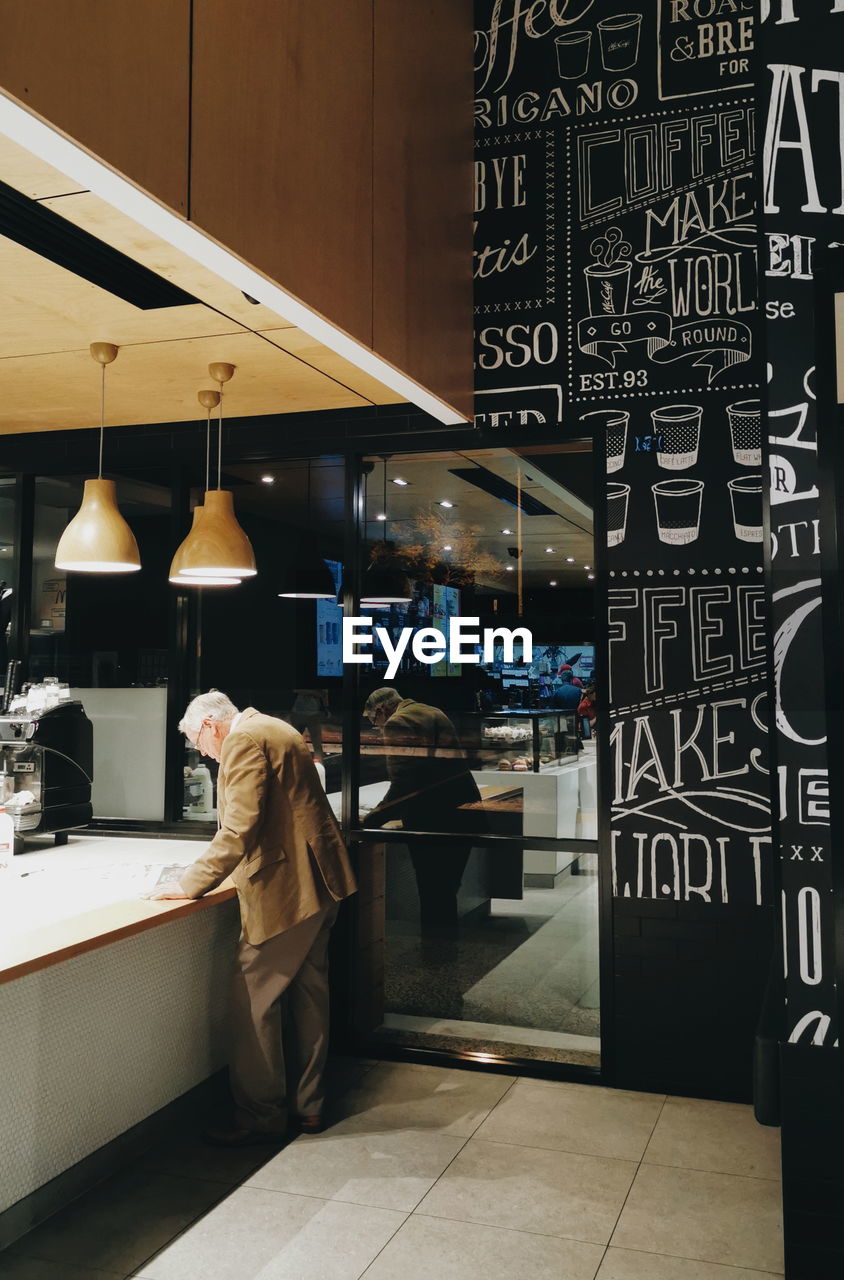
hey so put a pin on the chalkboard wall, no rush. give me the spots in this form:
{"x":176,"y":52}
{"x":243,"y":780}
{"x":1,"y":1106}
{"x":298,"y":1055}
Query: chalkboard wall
{"x":616,"y":292}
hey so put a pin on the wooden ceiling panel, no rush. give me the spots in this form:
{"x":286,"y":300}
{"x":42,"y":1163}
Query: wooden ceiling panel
{"x":157,"y":382}
{"x":29,"y":174}
{"x":117,"y":229}
{"x":301,"y":344}
{"x":48,"y":308}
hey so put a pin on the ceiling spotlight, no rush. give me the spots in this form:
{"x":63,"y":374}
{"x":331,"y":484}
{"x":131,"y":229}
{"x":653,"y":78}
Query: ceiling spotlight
{"x":447,"y":547}
{"x":398,"y":480}
{"x":267,"y":479}
{"x":587,"y":566}
{"x":549,"y":551}
{"x":511,"y":568}
{"x":553,"y":582}
{"x":569,"y":559}
{"x":445,"y":503}
{"x":509,"y":531}
{"x":381,"y":516}
{"x":590,"y":575}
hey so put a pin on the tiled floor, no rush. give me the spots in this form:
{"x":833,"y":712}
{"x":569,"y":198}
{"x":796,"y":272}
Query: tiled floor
{"x":449,"y":1174}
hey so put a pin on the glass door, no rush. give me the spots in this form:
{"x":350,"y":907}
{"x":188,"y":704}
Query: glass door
{"x":479,"y":727}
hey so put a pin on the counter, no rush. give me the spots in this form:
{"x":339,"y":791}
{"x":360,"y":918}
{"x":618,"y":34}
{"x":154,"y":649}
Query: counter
{"x":111,"y":1006}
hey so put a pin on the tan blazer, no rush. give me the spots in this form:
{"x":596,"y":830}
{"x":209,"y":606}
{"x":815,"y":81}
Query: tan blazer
{"x":278,"y":838}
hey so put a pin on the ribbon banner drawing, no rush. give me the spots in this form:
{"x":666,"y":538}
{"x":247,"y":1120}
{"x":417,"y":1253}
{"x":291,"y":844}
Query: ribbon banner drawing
{"x":716,"y":344}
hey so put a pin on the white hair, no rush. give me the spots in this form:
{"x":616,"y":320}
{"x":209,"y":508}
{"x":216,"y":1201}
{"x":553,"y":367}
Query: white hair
{"x":208,"y":706}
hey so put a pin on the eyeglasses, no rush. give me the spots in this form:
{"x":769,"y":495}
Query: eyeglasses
{"x":198,"y":737}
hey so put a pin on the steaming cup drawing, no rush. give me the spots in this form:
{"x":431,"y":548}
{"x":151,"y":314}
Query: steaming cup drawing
{"x":619,"y":38}
{"x":573,"y":54}
{"x":608,"y":278}
{"x":677,"y":505}
{"x":679,"y":426}
{"x":745,"y":419}
{"x":746,"y":499}
{"x":612,"y":423}
{"x":618,"y":496}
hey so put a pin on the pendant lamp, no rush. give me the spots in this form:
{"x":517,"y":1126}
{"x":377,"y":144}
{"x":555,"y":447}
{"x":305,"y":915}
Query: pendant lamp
{"x":310,"y":577}
{"x":209,"y":400}
{"x":383,"y":584}
{"x":98,"y":539}
{"x":217,"y":547}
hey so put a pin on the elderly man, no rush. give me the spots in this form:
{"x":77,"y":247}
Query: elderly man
{"x":279,"y":842}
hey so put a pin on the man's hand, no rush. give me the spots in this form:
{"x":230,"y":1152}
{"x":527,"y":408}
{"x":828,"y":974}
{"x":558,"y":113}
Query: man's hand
{"x":170,"y":889}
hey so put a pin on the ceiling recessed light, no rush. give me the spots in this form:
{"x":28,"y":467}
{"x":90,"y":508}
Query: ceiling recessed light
{"x":267,"y":479}
{"x":590,"y":575}
{"x":398,"y":480}
{"x":506,"y":530}
{"x":587,"y":566}
{"x":553,"y":582}
{"x":569,"y":559}
{"x":447,"y":547}
{"x":445,"y":503}
{"x":511,"y":568}
{"x":549,"y":551}
{"x":381,"y":516}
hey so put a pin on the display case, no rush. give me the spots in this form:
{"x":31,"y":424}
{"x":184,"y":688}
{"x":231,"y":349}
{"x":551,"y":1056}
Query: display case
{"x":528,"y":741}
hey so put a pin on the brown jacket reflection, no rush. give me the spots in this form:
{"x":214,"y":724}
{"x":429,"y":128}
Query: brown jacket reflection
{"x":429,"y":774}
{"x":278,"y":838}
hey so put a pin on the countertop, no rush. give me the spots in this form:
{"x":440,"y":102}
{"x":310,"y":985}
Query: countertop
{"x":56,"y":903}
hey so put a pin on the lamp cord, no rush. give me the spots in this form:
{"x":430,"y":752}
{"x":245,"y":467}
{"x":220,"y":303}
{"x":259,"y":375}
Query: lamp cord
{"x":207,"y":449}
{"x":220,"y":440}
{"x":385,"y":501}
{"x":102,"y":416}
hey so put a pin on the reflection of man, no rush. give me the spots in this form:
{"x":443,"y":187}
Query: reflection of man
{"x":279,"y":841}
{"x":429,"y":782}
{"x":567,"y":695}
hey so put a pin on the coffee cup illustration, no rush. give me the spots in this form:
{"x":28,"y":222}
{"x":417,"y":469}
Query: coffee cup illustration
{"x":573,"y":54}
{"x":745,"y":419}
{"x":618,"y":496}
{"x":746,"y":500}
{"x":677,"y":505}
{"x":608,"y":277}
{"x":619,"y":38}
{"x":679,"y":427}
{"x":612,"y":423}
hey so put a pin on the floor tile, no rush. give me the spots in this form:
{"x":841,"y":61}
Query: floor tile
{"x":574,"y":1117}
{"x":715,"y":1217}
{"x":398,"y":1096}
{"x":119,"y":1224}
{"x":392,"y":1170}
{"x":187,"y":1156}
{"x":38,"y":1269}
{"x":623,"y":1264}
{"x":277,"y":1237}
{"x":434,"y":1247}
{"x":554,"y":1193}
{"x":721,"y":1137}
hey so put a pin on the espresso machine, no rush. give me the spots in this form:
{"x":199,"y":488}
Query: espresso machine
{"x":46,"y":770}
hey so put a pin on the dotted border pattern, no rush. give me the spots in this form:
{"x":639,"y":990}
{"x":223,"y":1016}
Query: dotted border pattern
{"x":529,"y":304}
{"x":738,"y":683}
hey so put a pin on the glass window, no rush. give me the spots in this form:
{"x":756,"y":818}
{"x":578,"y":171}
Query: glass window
{"x":106,"y":636}
{"x":486,"y":947}
{"x":8,"y":564}
{"x":498,"y":543}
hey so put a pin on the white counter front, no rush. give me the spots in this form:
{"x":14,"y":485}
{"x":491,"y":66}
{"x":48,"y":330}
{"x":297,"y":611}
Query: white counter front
{"x":110,"y":1006}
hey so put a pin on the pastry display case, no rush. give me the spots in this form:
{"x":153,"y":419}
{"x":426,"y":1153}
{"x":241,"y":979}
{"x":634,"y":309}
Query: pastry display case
{"x":528,"y":741}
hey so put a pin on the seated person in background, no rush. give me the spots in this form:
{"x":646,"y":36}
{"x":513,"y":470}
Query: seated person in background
{"x":429,"y":781}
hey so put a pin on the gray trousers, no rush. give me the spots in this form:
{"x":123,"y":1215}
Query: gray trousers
{"x":293,"y":964}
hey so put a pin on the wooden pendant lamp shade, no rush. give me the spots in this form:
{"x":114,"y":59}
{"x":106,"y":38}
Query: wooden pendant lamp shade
{"x":216,"y":549}
{"x":98,"y":539}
